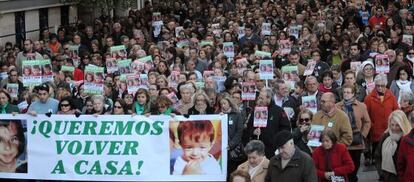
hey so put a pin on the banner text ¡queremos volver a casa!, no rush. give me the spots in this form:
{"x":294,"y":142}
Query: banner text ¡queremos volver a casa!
{"x":113,"y":147}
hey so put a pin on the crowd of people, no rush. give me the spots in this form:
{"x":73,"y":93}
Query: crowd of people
{"x":354,"y":58}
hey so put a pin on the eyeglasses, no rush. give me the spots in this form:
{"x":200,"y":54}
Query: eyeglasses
{"x":302,"y":120}
{"x":118,"y":107}
{"x":380,"y":86}
{"x":368,"y":69}
{"x":64,"y":105}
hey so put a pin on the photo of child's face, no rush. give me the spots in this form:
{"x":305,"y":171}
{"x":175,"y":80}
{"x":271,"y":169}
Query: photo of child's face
{"x":196,"y":151}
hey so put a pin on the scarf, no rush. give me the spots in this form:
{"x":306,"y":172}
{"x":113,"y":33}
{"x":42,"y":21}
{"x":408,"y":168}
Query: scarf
{"x":404,"y":85}
{"x":410,"y":59}
{"x":389,"y":147}
{"x":253,"y":170}
{"x":139,"y":109}
{"x":3,"y":109}
{"x":167,"y":112}
{"x":350,"y":112}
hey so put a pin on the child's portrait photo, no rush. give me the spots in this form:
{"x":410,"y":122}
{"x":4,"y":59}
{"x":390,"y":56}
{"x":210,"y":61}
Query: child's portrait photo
{"x":195,"y":147}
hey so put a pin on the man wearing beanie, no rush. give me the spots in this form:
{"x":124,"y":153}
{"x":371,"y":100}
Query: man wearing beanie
{"x":291,"y":164}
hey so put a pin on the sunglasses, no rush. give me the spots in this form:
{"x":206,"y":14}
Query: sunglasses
{"x":118,"y":107}
{"x":302,"y":120}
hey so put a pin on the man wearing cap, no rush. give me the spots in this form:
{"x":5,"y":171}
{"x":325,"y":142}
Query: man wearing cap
{"x":45,"y":104}
{"x":333,"y":118}
{"x":291,"y":164}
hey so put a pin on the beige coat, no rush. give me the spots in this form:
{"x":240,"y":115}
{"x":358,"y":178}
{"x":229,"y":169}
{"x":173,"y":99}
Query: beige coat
{"x":362,"y":120}
{"x":261,"y":172}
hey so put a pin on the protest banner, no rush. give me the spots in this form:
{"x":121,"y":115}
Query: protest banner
{"x":32,"y":73}
{"x":174,"y":79}
{"x":216,"y":29}
{"x":200,"y":85}
{"x":382,"y":63}
{"x":183,"y":43}
{"x":47,"y":74}
{"x":240,"y":32}
{"x":111,"y":65}
{"x":148,"y":64}
{"x":74,"y":55}
{"x":248,"y":91}
{"x":70,"y":69}
{"x":115,"y":148}
{"x":266,"y":29}
{"x":178,"y":31}
{"x":204,"y":43}
{"x":124,"y":66}
{"x":356,"y":66}
{"x":314,"y":135}
{"x":118,"y":52}
{"x":260,"y":117}
{"x":294,"y":30}
{"x":309,"y":102}
{"x":133,"y":82}
{"x":220,"y":83}
{"x":263,"y":54}
{"x":228,"y":49}
{"x":143,"y":81}
{"x":94,"y":79}
{"x":408,"y":39}
{"x":12,"y":89}
{"x":266,"y":69}
{"x":241,"y":65}
{"x":285,"y":46}
{"x":310,"y":67}
{"x":290,"y":74}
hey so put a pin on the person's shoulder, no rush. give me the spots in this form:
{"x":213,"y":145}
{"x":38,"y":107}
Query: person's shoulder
{"x":341,"y":147}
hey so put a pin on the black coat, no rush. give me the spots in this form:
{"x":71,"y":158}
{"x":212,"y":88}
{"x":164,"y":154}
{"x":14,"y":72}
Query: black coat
{"x":235,"y":128}
{"x":276,"y":122}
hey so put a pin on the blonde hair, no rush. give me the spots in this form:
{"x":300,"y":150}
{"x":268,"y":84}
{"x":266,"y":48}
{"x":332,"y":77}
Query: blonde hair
{"x":402,"y":120}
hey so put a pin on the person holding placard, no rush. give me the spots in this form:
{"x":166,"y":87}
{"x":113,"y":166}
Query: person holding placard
{"x":333,"y":118}
{"x":277,"y":121}
{"x":332,"y":160}
{"x":394,"y":66}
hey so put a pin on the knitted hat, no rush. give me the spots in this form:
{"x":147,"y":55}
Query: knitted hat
{"x":367,"y":62}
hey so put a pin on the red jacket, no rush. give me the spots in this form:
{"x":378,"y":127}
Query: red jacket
{"x":377,"y":21}
{"x":379,"y":112}
{"x":78,"y":74}
{"x":341,"y":161}
{"x":405,"y":158}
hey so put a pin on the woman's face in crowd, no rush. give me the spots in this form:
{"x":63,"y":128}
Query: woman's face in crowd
{"x":403,"y":75}
{"x":395,"y":127}
{"x":368,"y":71}
{"x":254,"y":159}
{"x":161,"y":83}
{"x":142,"y":99}
{"x":162,"y":67}
{"x":98,"y":105}
{"x":326,"y":142}
{"x":65,"y":106}
{"x":225,"y":105}
{"x":186,"y":95}
{"x":9,"y":144}
{"x":200,"y":100}
{"x":3,"y":99}
{"x":327,"y":81}
{"x":129,"y":99}
{"x":118,"y":108}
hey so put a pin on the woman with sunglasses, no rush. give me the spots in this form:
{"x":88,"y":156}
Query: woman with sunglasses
{"x":300,"y":134}
{"x":66,"y":106}
{"x":120,"y":107}
{"x":360,"y":123}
